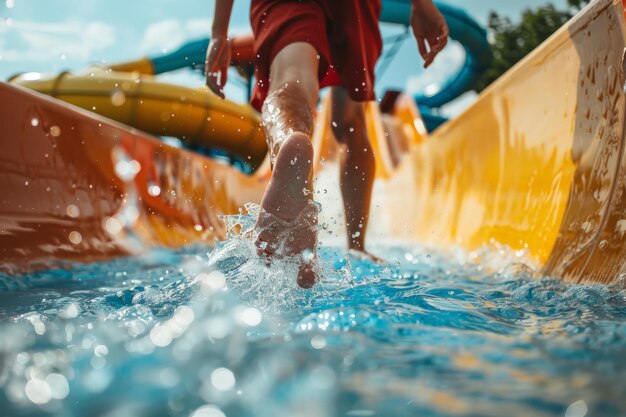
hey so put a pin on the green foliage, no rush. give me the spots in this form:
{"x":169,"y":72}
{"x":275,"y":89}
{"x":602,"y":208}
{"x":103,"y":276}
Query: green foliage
{"x":513,"y":41}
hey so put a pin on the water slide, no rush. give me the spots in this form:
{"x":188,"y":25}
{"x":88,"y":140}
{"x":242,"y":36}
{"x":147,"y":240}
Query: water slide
{"x":463,"y":28}
{"x":127,"y":93}
{"x":535,"y":164}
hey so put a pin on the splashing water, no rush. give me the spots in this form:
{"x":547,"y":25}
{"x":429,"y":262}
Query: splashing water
{"x":218,"y":333}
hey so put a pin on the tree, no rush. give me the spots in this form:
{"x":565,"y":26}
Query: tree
{"x":513,"y":41}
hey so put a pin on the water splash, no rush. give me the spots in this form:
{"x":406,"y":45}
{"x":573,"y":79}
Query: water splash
{"x":183,"y":333}
{"x":270,"y":287}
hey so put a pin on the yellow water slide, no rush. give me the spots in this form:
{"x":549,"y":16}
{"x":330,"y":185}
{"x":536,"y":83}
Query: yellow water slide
{"x":536,"y":164}
{"x":136,"y":99}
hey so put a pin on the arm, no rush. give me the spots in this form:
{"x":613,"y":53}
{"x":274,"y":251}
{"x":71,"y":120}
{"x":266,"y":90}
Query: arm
{"x":429,"y":28}
{"x":218,"y":52}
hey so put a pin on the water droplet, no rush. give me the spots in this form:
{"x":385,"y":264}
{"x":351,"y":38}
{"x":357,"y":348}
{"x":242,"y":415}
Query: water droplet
{"x":212,"y":281}
{"x":223,"y":379}
{"x":113,"y":225}
{"x":126,"y":169}
{"x":318,"y":341}
{"x":101,"y":350}
{"x":118,"y":97}
{"x":208,"y":411}
{"x":38,"y":391}
{"x":72,"y":211}
{"x":153,"y":189}
{"x":59,"y":388}
{"x":34,"y":121}
{"x":55,"y":131}
{"x":160,"y":336}
{"x":76,"y":237}
{"x":70,"y":311}
{"x":250,"y":316}
{"x":577,"y":409}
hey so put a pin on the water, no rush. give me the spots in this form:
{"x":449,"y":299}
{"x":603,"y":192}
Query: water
{"x":212,"y":332}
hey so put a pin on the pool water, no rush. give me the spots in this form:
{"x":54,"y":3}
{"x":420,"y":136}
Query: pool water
{"x":213,"y":332}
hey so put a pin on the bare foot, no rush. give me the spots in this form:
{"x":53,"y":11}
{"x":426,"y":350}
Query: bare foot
{"x":287,"y":227}
{"x":366,"y":256}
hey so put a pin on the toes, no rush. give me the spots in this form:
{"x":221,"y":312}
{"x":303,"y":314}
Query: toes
{"x":270,"y":249}
{"x":306,"y":276}
{"x":263,"y":243}
{"x":264,"y":237}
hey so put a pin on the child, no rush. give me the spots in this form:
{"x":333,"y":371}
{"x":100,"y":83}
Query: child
{"x":301,"y":46}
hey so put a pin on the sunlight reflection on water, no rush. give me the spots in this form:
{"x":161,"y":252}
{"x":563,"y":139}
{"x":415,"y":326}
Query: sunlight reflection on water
{"x":209,"y":334}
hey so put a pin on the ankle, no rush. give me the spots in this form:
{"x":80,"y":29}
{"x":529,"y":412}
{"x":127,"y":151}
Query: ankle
{"x":356,"y":245}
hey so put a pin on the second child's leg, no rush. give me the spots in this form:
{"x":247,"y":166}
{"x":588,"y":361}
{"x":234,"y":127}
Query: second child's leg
{"x":288,"y":118}
{"x":356,"y":163}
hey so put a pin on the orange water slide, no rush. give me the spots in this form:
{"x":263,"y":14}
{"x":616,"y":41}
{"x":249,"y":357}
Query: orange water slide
{"x":67,"y":191}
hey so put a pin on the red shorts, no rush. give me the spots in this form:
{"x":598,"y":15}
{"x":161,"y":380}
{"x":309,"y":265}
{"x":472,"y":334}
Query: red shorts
{"x":345,"y":34}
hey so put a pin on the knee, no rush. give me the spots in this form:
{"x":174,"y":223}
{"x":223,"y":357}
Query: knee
{"x":298,"y":84}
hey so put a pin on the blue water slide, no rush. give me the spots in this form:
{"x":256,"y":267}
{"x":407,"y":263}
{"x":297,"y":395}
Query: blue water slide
{"x":192,"y":54}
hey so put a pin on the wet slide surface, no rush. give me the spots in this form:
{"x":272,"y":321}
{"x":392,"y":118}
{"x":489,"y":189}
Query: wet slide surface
{"x":78,"y":186}
{"x":535,"y":164}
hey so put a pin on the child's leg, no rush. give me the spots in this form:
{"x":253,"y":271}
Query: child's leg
{"x":293,"y":94}
{"x":288,"y":118}
{"x":357,"y":164}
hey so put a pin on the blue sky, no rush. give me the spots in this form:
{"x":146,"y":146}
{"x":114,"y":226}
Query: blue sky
{"x":53,"y":35}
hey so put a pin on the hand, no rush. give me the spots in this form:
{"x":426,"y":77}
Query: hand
{"x":216,"y":64}
{"x":430,"y":27}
